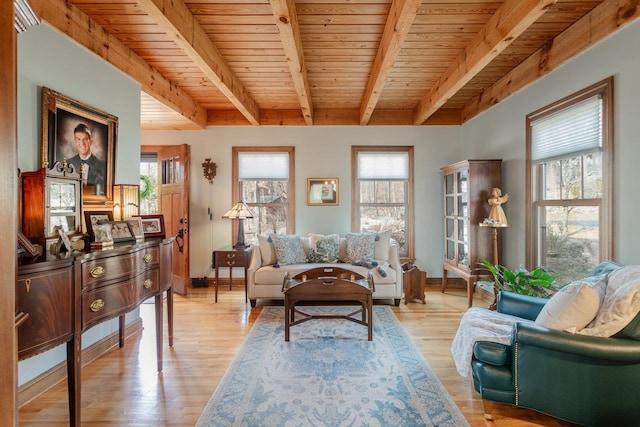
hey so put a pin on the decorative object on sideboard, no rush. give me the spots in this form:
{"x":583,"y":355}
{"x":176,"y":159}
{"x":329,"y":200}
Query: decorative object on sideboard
{"x":322,"y":192}
{"x":126,"y":201}
{"x":34,"y":250}
{"x":93,"y":218}
{"x":121,"y":231}
{"x":153,"y":225}
{"x":240,"y":211}
{"x":136,"y":225}
{"x":209,"y":170}
{"x":50,"y":198}
{"x":83,"y":136}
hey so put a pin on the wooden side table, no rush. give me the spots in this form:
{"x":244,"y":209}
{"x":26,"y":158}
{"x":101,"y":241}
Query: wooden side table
{"x":230,"y":257}
{"x":414,"y":281}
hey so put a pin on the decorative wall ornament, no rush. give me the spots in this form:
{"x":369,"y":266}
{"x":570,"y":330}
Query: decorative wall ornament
{"x":209,"y":170}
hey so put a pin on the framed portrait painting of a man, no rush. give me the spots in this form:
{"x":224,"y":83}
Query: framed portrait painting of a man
{"x":84,"y":137}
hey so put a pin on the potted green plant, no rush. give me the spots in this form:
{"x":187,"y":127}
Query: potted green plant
{"x":538,"y":282}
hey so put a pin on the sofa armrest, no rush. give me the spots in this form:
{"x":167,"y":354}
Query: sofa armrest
{"x":524,"y":306}
{"x":492,"y":353}
{"x":256,"y":259}
{"x":611,"y":349}
{"x":394,"y":256}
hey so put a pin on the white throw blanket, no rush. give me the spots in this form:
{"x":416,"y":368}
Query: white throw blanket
{"x":621,"y":303}
{"x":480,"y":324}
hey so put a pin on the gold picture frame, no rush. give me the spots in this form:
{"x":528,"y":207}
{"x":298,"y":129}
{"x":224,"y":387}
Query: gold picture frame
{"x":323,"y":192}
{"x":64,"y":118}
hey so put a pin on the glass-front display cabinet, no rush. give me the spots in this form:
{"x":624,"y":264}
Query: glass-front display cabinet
{"x":467,"y":189}
{"x":51,"y":199}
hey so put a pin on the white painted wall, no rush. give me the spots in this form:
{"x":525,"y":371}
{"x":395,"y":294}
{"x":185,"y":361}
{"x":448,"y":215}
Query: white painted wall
{"x":500,"y":132}
{"x":47,"y":58}
{"x":322,"y":151}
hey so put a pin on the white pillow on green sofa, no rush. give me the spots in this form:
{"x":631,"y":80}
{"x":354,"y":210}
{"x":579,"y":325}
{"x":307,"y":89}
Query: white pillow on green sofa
{"x":572,"y":308}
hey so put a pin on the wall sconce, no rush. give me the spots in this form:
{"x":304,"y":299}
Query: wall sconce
{"x":126,"y":198}
{"x":209,"y":170}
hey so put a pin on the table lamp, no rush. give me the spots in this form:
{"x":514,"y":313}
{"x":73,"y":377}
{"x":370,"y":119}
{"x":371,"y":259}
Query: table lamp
{"x":239,"y":211}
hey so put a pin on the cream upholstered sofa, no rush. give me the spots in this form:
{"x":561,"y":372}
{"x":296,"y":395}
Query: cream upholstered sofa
{"x":269,"y":264}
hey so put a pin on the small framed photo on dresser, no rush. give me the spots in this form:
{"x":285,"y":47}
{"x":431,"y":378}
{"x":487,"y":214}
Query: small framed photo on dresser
{"x":153,"y":225}
{"x":93,"y":218}
{"x":121,"y":232}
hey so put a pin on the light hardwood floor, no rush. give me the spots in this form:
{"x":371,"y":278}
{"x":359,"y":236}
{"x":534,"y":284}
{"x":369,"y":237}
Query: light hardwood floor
{"x":122,"y":387}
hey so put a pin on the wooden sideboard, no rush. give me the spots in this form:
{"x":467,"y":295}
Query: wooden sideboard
{"x":63,"y":298}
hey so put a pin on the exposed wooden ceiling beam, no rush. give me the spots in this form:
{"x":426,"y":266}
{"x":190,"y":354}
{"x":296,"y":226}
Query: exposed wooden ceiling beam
{"x":605,"y":19}
{"x":504,"y":26}
{"x":177,"y":21}
{"x":329,"y":117}
{"x":287,"y":21}
{"x":399,"y":21}
{"x":69,"y":20}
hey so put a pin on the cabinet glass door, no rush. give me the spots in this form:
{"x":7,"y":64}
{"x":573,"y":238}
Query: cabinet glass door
{"x":63,"y":207}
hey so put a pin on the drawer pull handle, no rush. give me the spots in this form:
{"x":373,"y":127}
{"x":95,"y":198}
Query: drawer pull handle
{"x":231,"y":255}
{"x":147,"y":258}
{"x":97,"y":305}
{"x":27,"y":284}
{"x":230,"y":263}
{"x":97,"y":272}
{"x":147,"y":283}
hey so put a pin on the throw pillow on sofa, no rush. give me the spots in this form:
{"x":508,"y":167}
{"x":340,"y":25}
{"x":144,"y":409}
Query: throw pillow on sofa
{"x":267,"y":251}
{"x":572,"y":308}
{"x":360,"y":246}
{"x":381,"y":247}
{"x":323,"y":248}
{"x":289,"y":249}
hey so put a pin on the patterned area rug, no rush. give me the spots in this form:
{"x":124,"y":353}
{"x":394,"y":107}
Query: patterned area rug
{"x":330,"y":375}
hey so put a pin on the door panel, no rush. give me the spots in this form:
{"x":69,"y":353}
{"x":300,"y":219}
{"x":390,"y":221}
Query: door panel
{"x":173,"y":187}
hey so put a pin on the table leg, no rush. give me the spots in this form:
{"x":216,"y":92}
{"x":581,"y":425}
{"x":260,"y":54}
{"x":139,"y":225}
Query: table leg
{"x":287,"y":321}
{"x":170,"y":315}
{"x":121,"y":331}
{"x":370,"y":312}
{"x":158,"y":303}
{"x":246,"y":291}
{"x":74,"y":363}
{"x":217,"y":280}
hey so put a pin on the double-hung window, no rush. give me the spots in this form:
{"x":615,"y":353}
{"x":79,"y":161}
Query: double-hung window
{"x":569,"y":155}
{"x":382,"y":186}
{"x":263,"y":177}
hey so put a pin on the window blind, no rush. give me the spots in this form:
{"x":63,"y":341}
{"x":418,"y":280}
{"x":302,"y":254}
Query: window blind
{"x":575,"y":129}
{"x":383,"y":166}
{"x":263,"y":166}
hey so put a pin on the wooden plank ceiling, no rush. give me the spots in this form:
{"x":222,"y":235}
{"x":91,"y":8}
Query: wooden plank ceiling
{"x":331,"y":62}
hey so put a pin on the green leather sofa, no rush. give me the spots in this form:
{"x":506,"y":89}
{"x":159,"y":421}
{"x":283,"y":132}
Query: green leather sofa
{"x":586,"y":380}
